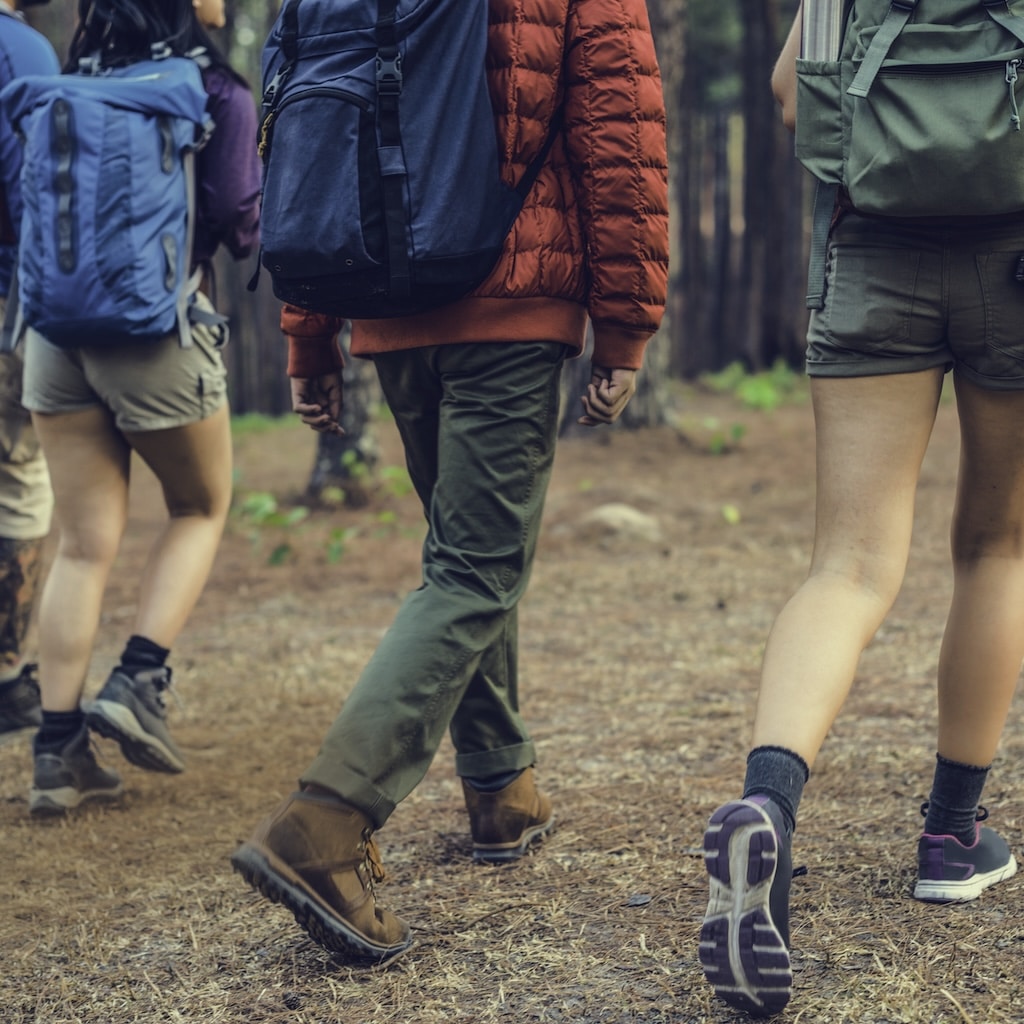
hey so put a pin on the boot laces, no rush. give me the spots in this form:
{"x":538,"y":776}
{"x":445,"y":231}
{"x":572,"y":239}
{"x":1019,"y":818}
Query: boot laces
{"x":372,"y":859}
{"x":163,"y":685}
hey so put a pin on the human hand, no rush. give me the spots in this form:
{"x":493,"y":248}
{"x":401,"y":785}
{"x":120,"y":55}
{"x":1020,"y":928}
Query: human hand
{"x":318,"y":401}
{"x":608,"y":393}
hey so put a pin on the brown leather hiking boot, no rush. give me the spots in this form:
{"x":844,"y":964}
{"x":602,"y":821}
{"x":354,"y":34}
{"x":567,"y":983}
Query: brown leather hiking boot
{"x":506,"y":822}
{"x":316,"y":856}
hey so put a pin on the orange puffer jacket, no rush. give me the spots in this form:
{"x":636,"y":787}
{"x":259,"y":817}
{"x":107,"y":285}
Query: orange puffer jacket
{"x":592,"y":237}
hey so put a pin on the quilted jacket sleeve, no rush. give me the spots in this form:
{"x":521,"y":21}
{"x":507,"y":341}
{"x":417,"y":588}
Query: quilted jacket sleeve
{"x":313,"y":347}
{"x":615,"y":138}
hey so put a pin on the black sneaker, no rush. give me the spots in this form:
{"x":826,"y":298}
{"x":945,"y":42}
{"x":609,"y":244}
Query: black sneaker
{"x":949,"y":872}
{"x":132,"y":711}
{"x":744,"y":941}
{"x":19,"y":703}
{"x":62,"y":780}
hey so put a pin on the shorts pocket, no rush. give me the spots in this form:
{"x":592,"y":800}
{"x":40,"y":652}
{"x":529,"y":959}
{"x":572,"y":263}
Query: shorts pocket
{"x":869,"y":297}
{"x":1003,"y":298}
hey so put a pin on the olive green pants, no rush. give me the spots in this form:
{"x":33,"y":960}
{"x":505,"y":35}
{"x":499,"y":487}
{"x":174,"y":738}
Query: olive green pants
{"x":478,"y":422}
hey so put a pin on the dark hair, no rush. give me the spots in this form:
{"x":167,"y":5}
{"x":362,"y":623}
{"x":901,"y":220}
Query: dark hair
{"x":123,"y":31}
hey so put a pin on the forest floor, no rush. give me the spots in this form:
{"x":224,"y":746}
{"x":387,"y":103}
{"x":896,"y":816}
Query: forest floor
{"x":640,"y":656}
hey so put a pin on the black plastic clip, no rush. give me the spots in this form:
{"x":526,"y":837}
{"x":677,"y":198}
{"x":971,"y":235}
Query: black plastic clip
{"x":389,"y":75}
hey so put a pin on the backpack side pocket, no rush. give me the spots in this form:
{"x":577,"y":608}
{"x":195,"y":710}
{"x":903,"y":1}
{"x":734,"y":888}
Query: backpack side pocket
{"x":819,"y":121}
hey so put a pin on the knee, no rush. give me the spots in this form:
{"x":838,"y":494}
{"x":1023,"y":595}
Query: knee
{"x":95,"y":544}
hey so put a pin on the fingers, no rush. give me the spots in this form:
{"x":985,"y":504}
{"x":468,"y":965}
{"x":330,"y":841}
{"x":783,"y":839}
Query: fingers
{"x":607,"y":396}
{"x":317,"y":402}
{"x":322,"y":422}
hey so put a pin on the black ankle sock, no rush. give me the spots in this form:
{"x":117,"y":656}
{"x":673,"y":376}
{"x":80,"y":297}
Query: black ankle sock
{"x":780,"y":775}
{"x":493,"y":783}
{"x":58,"y":727}
{"x":140,"y":653}
{"x":953,"y":804}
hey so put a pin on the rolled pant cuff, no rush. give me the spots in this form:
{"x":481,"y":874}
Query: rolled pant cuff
{"x":495,"y":762}
{"x":352,"y":788}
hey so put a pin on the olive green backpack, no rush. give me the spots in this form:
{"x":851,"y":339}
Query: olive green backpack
{"x":919,"y":115}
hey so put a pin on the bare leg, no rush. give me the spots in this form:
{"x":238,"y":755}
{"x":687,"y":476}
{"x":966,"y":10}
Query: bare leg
{"x":984,"y":641}
{"x":872,"y":433}
{"x":89,"y":464}
{"x":193,"y":465}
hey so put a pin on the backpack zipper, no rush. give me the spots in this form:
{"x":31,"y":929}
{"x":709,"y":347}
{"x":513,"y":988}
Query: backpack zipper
{"x":976,"y":68}
{"x":267,"y":126}
{"x":1011,"y":79}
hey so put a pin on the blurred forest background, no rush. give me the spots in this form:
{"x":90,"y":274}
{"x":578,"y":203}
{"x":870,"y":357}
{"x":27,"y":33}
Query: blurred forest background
{"x":739,"y":198}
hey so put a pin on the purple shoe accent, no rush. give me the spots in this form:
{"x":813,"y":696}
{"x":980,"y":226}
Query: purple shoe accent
{"x":742,"y":947}
{"x":949,"y":872}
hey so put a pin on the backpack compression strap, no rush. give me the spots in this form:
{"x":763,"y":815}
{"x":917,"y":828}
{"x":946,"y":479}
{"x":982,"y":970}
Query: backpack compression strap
{"x":999,"y":11}
{"x":899,"y":13}
{"x":895,"y":19}
{"x":389,"y":152}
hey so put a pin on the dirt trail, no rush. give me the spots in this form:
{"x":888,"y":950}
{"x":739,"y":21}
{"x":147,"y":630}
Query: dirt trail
{"x":639,"y":665}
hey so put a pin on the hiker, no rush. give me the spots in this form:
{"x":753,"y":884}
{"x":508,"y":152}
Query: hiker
{"x":93,"y":406}
{"x":26,"y":502}
{"x":474,"y":389}
{"x":906,"y":300}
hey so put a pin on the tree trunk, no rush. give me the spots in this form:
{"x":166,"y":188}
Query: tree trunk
{"x":346,"y":461}
{"x":760,"y":267}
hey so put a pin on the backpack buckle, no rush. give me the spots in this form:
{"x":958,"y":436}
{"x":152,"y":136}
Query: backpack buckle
{"x":389,"y":75}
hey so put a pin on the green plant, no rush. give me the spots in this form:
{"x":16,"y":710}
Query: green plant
{"x":250,"y":423}
{"x":259,"y":510}
{"x":396,"y":481}
{"x":723,"y":439}
{"x":355,"y":466}
{"x":337,"y":542}
{"x":765,"y":390}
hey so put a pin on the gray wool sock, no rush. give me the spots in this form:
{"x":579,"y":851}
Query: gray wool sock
{"x":953,"y":803}
{"x":780,"y":775}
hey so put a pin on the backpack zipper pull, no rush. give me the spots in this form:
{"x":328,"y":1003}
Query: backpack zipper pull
{"x":1011,"y":80}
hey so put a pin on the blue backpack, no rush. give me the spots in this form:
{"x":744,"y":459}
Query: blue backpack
{"x":382,"y":194}
{"x":109,"y":199}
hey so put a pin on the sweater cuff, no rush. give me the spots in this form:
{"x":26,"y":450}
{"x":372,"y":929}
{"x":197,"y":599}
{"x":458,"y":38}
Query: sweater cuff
{"x":313,"y":357}
{"x":619,"y":348}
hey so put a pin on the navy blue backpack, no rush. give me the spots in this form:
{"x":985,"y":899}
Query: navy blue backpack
{"x":381,"y":187}
{"x":109,"y":199}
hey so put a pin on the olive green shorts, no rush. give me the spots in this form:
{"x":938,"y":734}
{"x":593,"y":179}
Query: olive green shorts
{"x":146,"y":385}
{"x":902,"y":297}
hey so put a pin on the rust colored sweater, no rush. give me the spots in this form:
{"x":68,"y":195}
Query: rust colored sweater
{"x":592,"y":237}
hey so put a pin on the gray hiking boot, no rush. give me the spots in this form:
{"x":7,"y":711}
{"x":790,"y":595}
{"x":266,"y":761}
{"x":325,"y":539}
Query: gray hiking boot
{"x":132,"y":711}
{"x":19,"y":703}
{"x":62,"y":780}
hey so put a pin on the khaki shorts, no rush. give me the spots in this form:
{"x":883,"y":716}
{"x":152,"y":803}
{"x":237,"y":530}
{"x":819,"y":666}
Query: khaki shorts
{"x":146,"y":385}
{"x":26,"y":501}
{"x":902,"y":297}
